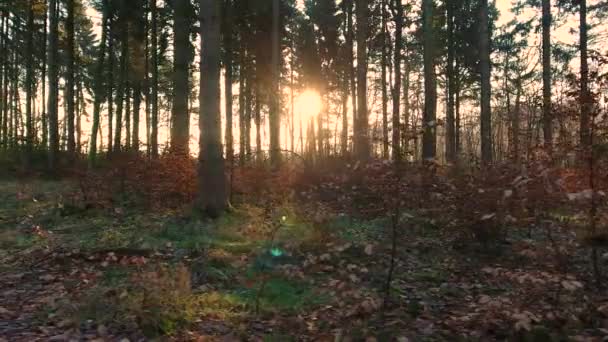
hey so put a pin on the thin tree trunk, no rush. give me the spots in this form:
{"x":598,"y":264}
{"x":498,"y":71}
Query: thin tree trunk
{"x":70,"y":79}
{"x":122,"y":90}
{"x":362,"y":143}
{"x":29,"y":79}
{"x":547,"y":116}
{"x":98,"y":86}
{"x":486,"y":87}
{"x":585,"y":100}
{"x":450,"y":135}
{"x":383,"y":65}
{"x":53,"y":62}
{"x":44,"y":118}
{"x":110,"y":94}
{"x":154,"y":50}
{"x":429,"y":139}
{"x":397,"y":86}
{"x":274,"y":113}
{"x":228,"y":80}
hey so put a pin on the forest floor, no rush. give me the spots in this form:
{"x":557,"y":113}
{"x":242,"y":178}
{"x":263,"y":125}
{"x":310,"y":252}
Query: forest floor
{"x":278,"y":274}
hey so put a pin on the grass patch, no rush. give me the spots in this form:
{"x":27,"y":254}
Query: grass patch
{"x":282,"y":295}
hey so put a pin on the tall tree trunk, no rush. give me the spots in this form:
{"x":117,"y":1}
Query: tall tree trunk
{"x":213,"y":196}
{"x":486,"y":87}
{"x":110,"y":94}
{"x":517,"y":121}
{"x":450,"y":134}
{"x":397,"y":86}
{"x":136,"y":110}
{"x":383,"y":62}
{"x":406,"y":109}
{"x":361,"y":139}
{"x":429,"y":138}
{"x":228,"y":79}
{"x":274,"y":113}
{"x":154,"y":50}
{"x":122,"y":90}
{"x":242,"y":96}
{"x":29,"y":78}
{"x":53,"y":63}
{"x":147,"y":81}
{"x":44,"y":117}
{"x":3,"y":71}
{"x":180,"y":125}
{"x":585,"y":98}
{"x":70,"y":78}
{"x":350,"y":37}
{"x":98,"y":92}
{"x":547,"y":119}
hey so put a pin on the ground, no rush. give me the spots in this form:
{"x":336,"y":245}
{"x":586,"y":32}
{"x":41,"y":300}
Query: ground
{"x":279,"y":273}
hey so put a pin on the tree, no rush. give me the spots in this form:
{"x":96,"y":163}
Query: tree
{"x":53,"y":100}
{"x":98,"y":85}
{"x":29,"y":77}
{"x":361,"y":139}
{"x":70,"y":73}
{"x":585,"y":100}
{"x":154,"y":55}
{"x":213,"y":197}
{"x":486,"y":91}
{"x":228,"y":79}
{"x":274,"y":110}
{"x":180,"y":127}
{"x":547,"y":120}
{"x":398,"y":9}
{"x":450,"y":139}
{"x":429,"y":138}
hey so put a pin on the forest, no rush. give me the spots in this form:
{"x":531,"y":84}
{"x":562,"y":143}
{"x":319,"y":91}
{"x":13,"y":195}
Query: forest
{"x":303,"y":170}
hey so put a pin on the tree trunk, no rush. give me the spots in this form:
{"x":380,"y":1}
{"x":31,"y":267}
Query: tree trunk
{"x":274,"y":113}
{"x":98,"y":86}
{"x":154,"y":50}
{"x":397,"y":86}
{"x":383,"y":66}
{"x":110,"y":82}
{"x":486,"y":90}
{"x":228,"y":79}
{"x":29,"y":79}
{"x":450,"y":140}
{"x":180,"y":125}
{"x":350,"y":36}
{"x":547,"y":119}
{"x":585,"y":98}
{"x":429,"y":138}
{"x":44,"y":118}
{"x":361,"y":140}
{"x":53,"y":63}
{"x":213,"y":196}
{"x":122,"y":90}
{"x":70,"y":78}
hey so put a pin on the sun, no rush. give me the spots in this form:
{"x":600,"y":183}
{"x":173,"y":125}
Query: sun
{"x":308,"y":105}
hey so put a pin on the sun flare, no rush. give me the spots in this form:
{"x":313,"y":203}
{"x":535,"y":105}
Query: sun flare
{"x":308,"y":105}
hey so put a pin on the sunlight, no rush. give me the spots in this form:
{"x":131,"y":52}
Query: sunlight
{"x":308,"y":105}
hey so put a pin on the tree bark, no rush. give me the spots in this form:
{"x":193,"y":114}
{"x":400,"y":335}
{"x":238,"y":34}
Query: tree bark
{"x":213,"y":197}
{"x":361,"y":139}
{"x":547,"y":116}
{"x":450,"y":134}
{"x":70,"y":95}
{"x":486,"y":87}
{"x":585,"y":100}
{"x":53,"y":63}
{"x":429,"y":138}
{"x":154,"y":130}
{"x":397,"y":86}
{"x":180,"y":125}
{"x":98,"y":93}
